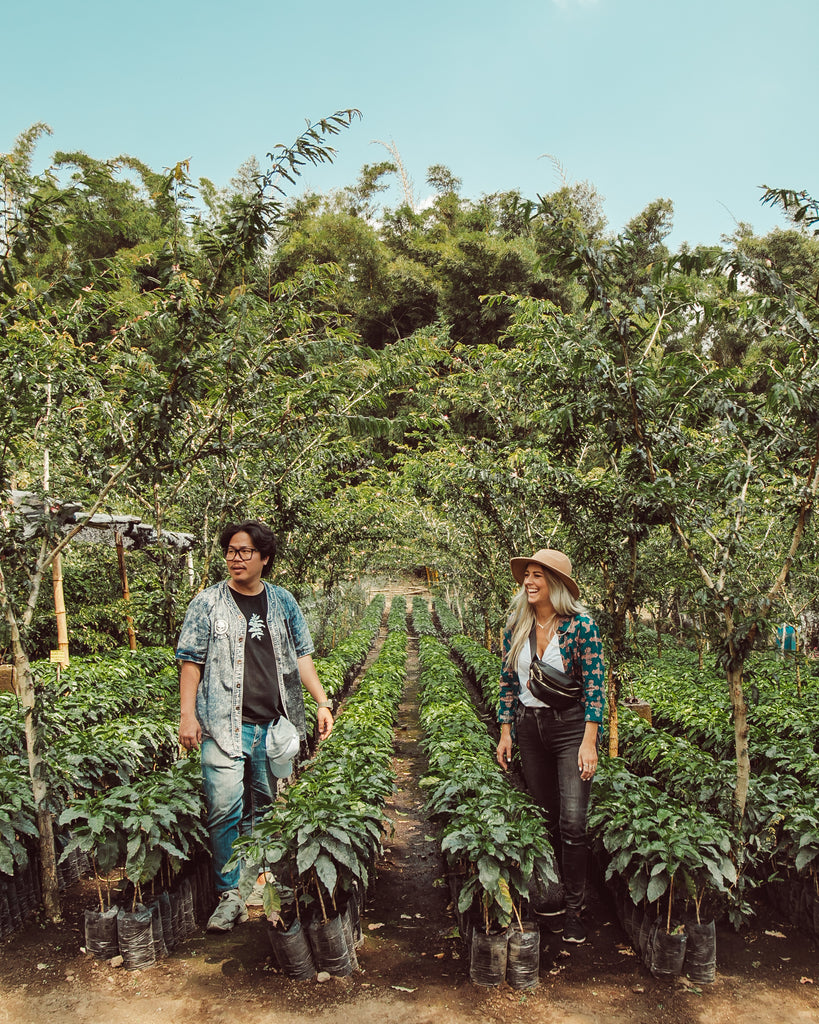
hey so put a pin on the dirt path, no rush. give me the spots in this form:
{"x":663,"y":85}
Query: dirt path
{"x":413,"y":970}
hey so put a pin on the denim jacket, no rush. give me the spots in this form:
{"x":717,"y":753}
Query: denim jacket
{"x":582,"y":653}
{"x":213,"y":635}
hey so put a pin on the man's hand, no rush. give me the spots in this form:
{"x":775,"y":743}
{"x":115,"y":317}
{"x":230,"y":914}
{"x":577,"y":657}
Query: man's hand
{"x":190,"y":732}
{"x":324,"y":717}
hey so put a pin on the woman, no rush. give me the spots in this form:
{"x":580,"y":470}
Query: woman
{"x":558,"y":748}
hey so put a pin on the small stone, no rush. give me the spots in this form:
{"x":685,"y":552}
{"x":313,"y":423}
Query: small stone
{"x":322,"y":976}
{"x":116,"y":961}
{"x":638,"y":989}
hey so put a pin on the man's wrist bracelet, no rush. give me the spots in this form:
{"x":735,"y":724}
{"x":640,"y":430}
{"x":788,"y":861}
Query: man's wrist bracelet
{"x":324,"y":704}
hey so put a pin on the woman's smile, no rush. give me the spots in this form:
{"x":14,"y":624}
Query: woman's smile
{"x":536,"y":586}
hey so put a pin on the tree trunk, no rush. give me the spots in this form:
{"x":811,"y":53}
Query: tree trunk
{"x":740,"y":713}
{"x":662,"y":611}
{"x":614,"y":722}
{"x":39,"y":785}
{"x":45,"y":823}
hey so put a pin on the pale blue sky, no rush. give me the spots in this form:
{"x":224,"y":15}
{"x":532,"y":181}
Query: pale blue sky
{"x":699,"y":101}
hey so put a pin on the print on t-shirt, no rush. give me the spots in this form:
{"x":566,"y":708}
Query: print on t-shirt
{"x":255,"y":626}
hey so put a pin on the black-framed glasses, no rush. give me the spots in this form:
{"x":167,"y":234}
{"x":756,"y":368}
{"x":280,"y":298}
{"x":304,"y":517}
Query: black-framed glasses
{"x":243,"y":554}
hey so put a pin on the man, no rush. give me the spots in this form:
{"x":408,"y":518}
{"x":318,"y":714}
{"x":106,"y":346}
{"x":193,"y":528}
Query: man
{"x":244,"y":653}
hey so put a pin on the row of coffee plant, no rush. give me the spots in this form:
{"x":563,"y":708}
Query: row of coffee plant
{"x":126,"y":805}
{"x":103,"y":722}
{"x":150,"y":826}
{"x":779,"y":837}
{"x":483,"y":669}
{"x":338,"y":668}
{"x":493,"y":837}
{"x":318,"y":844}
{"x":422,"y":621}
{"x":637,"y":832}
{"x":121,"y":798}
{"x":671,"y":866}
{"x":781,"y":720}
{"x":693,"y":701}
{"x":689,"y":756}
{"x":779,"y":848}
{"x":94,"y":691}
{"x":448,"y":623}
{"x":154,"y":830}
{"x":397,"y":617}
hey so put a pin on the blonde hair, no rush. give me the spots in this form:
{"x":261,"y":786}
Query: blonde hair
{"x":522,"y":618}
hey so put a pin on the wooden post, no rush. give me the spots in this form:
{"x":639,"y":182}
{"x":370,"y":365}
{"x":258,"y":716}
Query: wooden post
{"x":126,"y":593}
{"x":59,"y":606}
{"x":614,"y":721}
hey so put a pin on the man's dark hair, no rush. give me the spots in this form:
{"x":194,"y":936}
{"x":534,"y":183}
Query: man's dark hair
{"x":264,"y":540}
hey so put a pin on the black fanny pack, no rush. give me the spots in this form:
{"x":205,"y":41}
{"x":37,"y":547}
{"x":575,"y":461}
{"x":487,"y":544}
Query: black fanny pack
{"x":550,"y":685}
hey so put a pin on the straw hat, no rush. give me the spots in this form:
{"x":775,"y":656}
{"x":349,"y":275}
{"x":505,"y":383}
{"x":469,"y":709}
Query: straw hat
{"x":554,"y":561}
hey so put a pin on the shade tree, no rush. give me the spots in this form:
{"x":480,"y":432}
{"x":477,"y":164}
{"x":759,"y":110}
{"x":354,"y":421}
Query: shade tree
{"x":105,"y":388}
{"x":731,"y":473}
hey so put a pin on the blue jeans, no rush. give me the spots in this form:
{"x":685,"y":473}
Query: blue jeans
{"x":548,"y":741}
{"x":238,"y":790}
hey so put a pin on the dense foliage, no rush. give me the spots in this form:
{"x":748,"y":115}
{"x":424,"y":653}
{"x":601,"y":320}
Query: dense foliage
{"x":321,"y":839}
{"x":492,"y":835}
{"x":446,"y":384}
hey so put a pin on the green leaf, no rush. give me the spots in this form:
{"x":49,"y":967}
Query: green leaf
{"x":657,"y":885}
{"x":271,"y":899}
{"x":327,"y":873}
{"x":306,"y":857}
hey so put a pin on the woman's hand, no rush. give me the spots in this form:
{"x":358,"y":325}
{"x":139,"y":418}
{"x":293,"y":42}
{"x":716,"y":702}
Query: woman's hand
{"x":587,"y":755}
{"x":503,"y":752}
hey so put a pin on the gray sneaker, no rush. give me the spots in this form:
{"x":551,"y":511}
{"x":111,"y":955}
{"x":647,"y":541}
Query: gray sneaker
{"x":256,"y":897}
{"x":229,"y":911}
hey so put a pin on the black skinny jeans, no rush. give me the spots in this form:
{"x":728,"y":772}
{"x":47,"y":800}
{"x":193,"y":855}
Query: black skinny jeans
{"x":548,"y":741}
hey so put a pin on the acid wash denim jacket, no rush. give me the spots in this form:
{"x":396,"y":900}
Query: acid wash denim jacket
{"x":582,"y":651}
{"x":213,"y":635}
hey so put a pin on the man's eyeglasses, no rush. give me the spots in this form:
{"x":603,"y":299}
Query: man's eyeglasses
{"x":243,"y":554}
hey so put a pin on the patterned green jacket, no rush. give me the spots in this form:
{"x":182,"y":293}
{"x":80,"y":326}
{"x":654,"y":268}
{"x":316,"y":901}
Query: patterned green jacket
{"x":582,"y":651}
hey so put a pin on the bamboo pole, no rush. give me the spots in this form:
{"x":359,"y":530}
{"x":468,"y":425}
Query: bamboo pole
{"x":126,"y":593}
{"x":59,"y":606}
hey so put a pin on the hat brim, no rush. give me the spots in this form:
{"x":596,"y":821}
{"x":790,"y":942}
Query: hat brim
{"x":518,"y":566}
{"x":281,"y":769}
{"x":281,"y":746}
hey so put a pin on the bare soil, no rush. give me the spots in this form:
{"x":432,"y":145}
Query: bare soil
{"x":414,"y":968}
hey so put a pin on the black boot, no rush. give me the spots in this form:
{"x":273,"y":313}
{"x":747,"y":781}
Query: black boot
{"x":575,"y":861}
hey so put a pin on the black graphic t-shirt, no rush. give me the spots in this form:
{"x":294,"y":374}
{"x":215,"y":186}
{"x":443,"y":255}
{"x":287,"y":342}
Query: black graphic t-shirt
{"x":261,"y":701}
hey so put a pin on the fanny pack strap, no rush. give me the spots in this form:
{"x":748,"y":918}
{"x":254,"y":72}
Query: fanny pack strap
{"x":568,"y":677}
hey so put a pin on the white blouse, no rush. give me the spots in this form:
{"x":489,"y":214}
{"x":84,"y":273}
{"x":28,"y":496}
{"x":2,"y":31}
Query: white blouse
{"x":551,"y":656}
